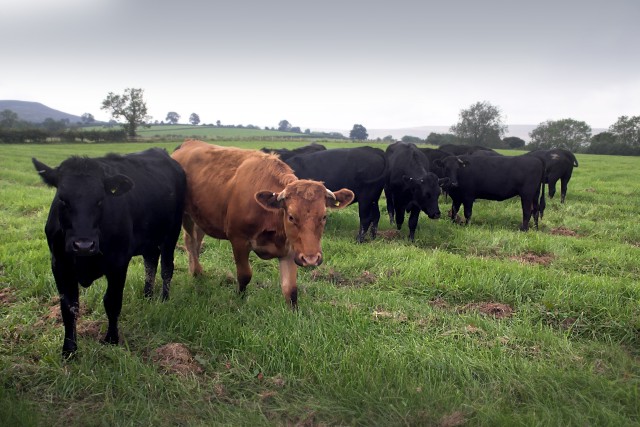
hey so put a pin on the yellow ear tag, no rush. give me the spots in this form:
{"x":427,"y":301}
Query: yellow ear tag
{"x":113,"y":190}
{"x":336,"y":203}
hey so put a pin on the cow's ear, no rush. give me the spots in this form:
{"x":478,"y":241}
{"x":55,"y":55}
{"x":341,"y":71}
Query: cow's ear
{"x":48,"y":175}
{"x":269,"y":200}
{"x":117,"y":185}
{"x":339,"y":199}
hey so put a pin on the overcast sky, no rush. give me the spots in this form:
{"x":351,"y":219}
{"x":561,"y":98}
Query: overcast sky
{"x":328,"y":64}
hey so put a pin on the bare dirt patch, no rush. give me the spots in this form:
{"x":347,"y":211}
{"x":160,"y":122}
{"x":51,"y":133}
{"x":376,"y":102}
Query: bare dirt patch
{"x":531,"y":258}
{"x":176,"y":358}
{"x":563,"y":231}
{"x":453,"y":419}
{"x":7,"y":296}
{"x":389,"y":234}
{"x":439,"y":303}
{"x":493,"y":309}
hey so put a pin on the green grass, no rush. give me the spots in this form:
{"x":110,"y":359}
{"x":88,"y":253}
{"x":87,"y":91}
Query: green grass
{"x":388,"y":332}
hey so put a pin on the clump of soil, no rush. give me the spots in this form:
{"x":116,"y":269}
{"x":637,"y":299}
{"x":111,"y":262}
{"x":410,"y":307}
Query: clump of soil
{"x":389,"y":234}
{"x":494,"y":309}
{"x":439,"y":303}
{"x":177,"y":359}
{"x":7,"y":296}
{"x":531,"y":258}
{"x":563,"y":231}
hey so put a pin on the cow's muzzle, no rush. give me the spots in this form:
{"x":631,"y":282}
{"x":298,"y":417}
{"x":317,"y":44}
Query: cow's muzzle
{"x":308,"y":260}
{"x":84,"y":247}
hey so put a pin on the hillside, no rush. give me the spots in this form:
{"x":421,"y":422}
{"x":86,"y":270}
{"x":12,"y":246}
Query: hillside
{"x":35,"y":112}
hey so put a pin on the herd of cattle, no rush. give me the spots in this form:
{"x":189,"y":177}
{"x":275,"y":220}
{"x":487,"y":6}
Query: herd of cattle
{"x":272,"y":202}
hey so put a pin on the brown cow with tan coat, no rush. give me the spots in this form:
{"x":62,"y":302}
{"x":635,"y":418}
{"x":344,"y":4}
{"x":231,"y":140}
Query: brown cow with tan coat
{"x":255,"y":201}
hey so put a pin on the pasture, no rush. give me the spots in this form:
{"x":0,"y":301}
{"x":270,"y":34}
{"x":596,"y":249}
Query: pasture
{"x":477,"y":325}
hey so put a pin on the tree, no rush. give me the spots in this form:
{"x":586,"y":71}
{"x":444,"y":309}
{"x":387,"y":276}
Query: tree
{"x":284,"y":126}
{"x":130,"y":106}
{"x":513,"y":142}
{"x":412,"y":139}
{"x":87,"y":118}
{"x":194,"y":119}
{"x":566,"y":133}
{"x":388,"y":138}
{"x":296,"y":129}
{"x":173,"y":117}
{"x":358,"y":132}
{"x":8,"y":119}
{"x":480,"y":124}
{"x":439,"y":139}
{"x":627,"y":131}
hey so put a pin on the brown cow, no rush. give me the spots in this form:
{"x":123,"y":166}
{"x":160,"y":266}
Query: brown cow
{"x":254,"y":200}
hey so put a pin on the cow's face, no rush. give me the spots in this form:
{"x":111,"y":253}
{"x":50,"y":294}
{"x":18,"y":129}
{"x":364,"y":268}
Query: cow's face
{"x":304,"y":206}
{"x":425,"y":192}
{"x":451,"y":166}
{"x":81,"y":193}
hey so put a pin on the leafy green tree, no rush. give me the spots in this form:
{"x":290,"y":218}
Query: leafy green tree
{"x":173,"y":117}
{"x":284,"y":126}
{"x":130,"y":106}
{"x":439,"y":139}
{"x":480,"y":124}
{"x":194,"y":119}
{"x":627,"y":131}
{"x":87,"y":118}
{"x":388,"y":138}
{"x":413,"y":139}
{"x":296,"y":129}
{"x":8,"y":119}
{"x":571,"y":134}
{"x":359,"y":133}
{"x":513,"y":142}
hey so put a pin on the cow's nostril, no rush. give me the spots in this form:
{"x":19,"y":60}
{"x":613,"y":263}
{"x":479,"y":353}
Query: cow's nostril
{"x":84,"y":246}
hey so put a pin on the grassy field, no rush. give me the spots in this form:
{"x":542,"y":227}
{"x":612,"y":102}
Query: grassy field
{"x":477,"y":325}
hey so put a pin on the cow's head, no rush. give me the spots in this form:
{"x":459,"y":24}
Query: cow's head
{"x":82,"y":188}
{"x":451,"y":165}
{"x":304,"y":206}
{"x":425,"y":192}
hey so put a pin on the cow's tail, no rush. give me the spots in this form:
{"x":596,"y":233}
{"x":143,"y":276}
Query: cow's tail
{"x":575,"y":161}
{"x":542,"y":203}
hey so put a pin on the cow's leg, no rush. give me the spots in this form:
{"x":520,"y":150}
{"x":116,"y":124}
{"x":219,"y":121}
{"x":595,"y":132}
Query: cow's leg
{"x":288,"y":278}
{"x":193,"y":236}
{"x":552,"y":187}
{"x":413,"y":223}
{"x":468,"y":211}
{"x":527,"y":205}
{"x":390,"y":208}
{"x":113,"y":302}
{"x":455,"y":208}
{"x":564,"y":182}
{"x":167,"y":251}
{"x":241,"y":252}
{"x":399,"y":215}
{"x":69,"y":304}
{"x":375,"y":218}
{"x":364,"y":212}
{"x":150,"y":269}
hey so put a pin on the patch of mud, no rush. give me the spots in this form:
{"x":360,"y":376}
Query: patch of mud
{"x":7,"y":296}
{"x":453,"y":419}
{"x":176,"y":358}
{"x":439,"y":303}
{"x":90,"y":329}
{"x":563,"y":231}
{"x":389,"y":234}
{"x":493,"y":309}
{"x":333,"y":276}
{"x":531,"y":258}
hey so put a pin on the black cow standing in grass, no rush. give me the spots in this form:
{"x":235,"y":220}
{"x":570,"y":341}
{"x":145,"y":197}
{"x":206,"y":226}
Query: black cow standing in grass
{"x":461,"y":149}
{"x":285,"y":153}
{"x":107,"y":210}
{"x":495,"y":178}
{"x":559,"y":164}
{"x":410,"y":186}
{"x":361,"y":169}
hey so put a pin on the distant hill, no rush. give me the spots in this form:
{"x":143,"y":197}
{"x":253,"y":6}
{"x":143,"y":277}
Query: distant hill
{"x":35,"y":112}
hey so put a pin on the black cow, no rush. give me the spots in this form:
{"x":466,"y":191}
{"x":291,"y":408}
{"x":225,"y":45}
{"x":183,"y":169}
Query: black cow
{"x":559,"y":164}
{"x":461,"y":149}
{"x":285,"y":153}
{"x":495,"y":178}
{"x":434,"y":154}
{"x":105,"y":211}
{"x":360,"y":169}
{"x":410,"y":187}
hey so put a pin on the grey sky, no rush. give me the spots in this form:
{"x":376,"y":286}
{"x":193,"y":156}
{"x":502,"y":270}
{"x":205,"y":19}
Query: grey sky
{"x":328,"y":64}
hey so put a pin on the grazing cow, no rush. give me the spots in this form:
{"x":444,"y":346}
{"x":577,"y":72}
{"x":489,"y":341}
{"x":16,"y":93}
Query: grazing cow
{"x":107,"y":210}
{"x":285,"y":153}
{"x":254,"y":200}
{"x":495,"y":178}
{"x":410,"y":186}
{"x":559,"y":164}
{"x":360,"y":169}
{"x":460,"y":149}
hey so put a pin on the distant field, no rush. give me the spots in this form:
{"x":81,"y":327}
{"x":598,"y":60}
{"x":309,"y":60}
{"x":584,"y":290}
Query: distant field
{"x":470,"y":325}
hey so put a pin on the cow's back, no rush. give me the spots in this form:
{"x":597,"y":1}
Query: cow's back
{"x":222,"y":183}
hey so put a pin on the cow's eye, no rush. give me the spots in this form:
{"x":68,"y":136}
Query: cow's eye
{"x":291,"y":218}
